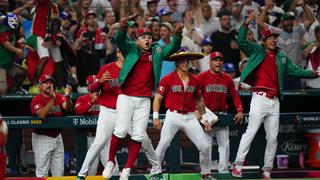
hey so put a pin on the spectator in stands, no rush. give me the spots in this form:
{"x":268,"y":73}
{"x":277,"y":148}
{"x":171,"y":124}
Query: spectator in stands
{"x":88,"y":105}
{"x":152,"y":8}
{"x":66,"y":24}
{"x":309,"y":35}
{"x":90,"y":44}
{"x":109,"y":20}
{"x":44,"y":13}
{"x":47,"y":144}
{"x":224,"y":39}
{"x":205,"y":20}
{"x":189,"y":30}
{"x":155,"y":29}
{"x":8,"y":51}
{"x":132,"y":29}
{"x":206,"y":49}
{"x":166,"y":31}
{"x":312,"y":53}
{"x":175,"y":5}
{"x":175,"y":9}
{"x":230,"y":69}
{"x":165,"y":15}
{"x":265,"y":71}
{"x":81,"y":9}
{"x":3,"y":142}
{"x":290,"y":36}
{"x":248,"y":7}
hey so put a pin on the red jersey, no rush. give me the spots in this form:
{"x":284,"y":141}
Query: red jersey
{"x":214,"y":89}
{"x":176,"y":96}
{"x":38,"y":102}
{"x":266,"y":76}
{"x":140,"y":81}
{"x":84,"y":106}
{"x":110,"y":89}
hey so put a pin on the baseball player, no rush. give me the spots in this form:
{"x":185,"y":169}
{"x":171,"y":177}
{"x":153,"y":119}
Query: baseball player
{"x":88,"y":105}
{"x":138,"y":77}
{"x":181,"y":91}
{"x":265,"y":72}
{"x":3,"y":142}
{"x":108,"y":87}
{"x":215,"y":85}
{"x":47,"y":144}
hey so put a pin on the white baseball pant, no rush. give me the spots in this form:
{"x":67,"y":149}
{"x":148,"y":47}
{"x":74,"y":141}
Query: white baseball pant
{"x":48,"y":154}
{"x":266,"y":110}
{"x":133,"y":114}
{"x":41,"y":50}
{"x":189,"y":124}
{"x":222,"y":135}
{"x":105,"y":125}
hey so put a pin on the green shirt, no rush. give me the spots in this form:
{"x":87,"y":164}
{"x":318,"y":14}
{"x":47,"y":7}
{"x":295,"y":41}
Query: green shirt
{"x":132,"y":53}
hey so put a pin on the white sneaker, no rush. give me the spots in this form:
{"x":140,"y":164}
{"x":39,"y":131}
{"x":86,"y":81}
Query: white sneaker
{"x":124,"y":175}
{"x":108,"y":170}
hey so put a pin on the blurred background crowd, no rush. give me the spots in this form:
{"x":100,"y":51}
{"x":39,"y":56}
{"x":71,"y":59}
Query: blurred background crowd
{"x":72,"y":39}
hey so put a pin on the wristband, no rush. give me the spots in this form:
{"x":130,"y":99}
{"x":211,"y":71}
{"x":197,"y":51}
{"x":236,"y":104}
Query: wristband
{"x":155,"y":115}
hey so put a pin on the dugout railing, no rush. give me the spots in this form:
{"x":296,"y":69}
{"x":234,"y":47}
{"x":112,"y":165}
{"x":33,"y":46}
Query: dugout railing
{"x":300,"y":113}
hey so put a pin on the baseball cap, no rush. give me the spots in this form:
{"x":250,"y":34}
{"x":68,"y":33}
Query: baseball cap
{"x":91,"y":79}
{"x":64,"y":15}
{"x":132,"y":23}
{"x":164,"y":11}
{"x":89,"y":13}
{"x":206,"y":41}
{"x":167,"y":25}
{"x":143,"y":31}
{"x":267,"y":32}
{"x":288,"y":15}
{"x":228,"y":68}
{"x":45,"y":77}
{"x":215,"y":55}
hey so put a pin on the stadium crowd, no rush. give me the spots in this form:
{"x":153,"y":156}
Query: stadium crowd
{"x":71,"y":40}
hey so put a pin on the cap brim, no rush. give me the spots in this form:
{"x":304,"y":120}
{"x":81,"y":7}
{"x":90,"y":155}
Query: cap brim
{"x":185,"y":56}
{"x":273,"y":34}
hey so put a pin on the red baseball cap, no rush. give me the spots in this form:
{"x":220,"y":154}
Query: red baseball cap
{"x":143,"y":31}
{"x":45,"y":77}
{"x":215,"y":55}
{"x":91,"y":79}
{"x":90,"y":12}
{"x":266,"y":33}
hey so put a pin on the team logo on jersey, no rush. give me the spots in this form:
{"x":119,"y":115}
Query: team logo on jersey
{"x":161,"y":88}
{"x":216,"y":88}
{"x":191,"y":89}
{"x":159,"y":49}
{"x":176,"y":88}
{"x":36,"y":106}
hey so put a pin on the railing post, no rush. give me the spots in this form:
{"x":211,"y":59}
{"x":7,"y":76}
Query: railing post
{"x":81,"y":147}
